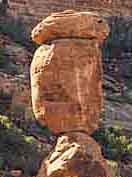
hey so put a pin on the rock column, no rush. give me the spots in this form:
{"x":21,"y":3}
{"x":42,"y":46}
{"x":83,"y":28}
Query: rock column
{"x":66,"y":82}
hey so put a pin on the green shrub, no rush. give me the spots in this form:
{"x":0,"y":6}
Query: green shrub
{"x":2,"y":57}
{"x":114,"y":144}
{"x":17,"y":150}
{"x":6,"y":63}
{"x":14,"y":29}
{"x":3,"y":6}
{"x":114,"y":168}
{"x":5,"y":99}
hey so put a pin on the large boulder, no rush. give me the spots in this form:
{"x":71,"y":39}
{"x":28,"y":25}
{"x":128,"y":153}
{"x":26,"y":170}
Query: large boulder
{"x":70,"y":24}
{"x":75,"y":155}
{"x":66,"y":82}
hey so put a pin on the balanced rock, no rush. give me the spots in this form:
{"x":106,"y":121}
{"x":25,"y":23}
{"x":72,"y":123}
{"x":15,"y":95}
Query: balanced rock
{"x":75,"y":155}
{"x":70,"y":24}
{"x":66,"y":83}
{"x":66,"y":76}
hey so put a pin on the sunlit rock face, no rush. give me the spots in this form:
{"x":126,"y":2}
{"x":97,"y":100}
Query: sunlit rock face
{"x":66,"y":83}
{"x":66,"y":76}
{"x":70,"y":24}
{"x":75,"y":155}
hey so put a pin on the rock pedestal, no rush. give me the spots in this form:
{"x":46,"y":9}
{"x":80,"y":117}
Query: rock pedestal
{"x":67,"y":85}
{"x":66,"y":82}
{"x":75,"y":155}
{"x":66,"y":76}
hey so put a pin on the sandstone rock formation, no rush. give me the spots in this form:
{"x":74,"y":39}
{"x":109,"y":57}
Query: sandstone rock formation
{"x":70,"y":24}
{"x":66,"y":92}
{"x":66,"y":76}
{"x":75,"y":155}
{"x":66,"y":82}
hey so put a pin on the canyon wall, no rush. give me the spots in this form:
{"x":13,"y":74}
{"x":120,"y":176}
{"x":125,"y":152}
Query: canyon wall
{"x":32,"y":11}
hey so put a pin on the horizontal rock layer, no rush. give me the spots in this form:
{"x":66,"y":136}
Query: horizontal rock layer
{"x":70,"y":24}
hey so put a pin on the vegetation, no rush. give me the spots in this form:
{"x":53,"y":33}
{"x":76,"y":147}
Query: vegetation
{"x":113,"y":143}
{"x":2,"y":58}
{"x":24,"y":152}
{"x":114,"y":166}
{"x":17,"y":150}
{"x":3,"y":6}
{"x":15,"y":29}
{"x":6,"y":64}
{"x":5,"y":100}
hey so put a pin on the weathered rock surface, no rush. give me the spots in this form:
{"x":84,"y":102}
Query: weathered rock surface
{"x":66,"y":77}
{"x":66,"y":80}
{"x":75,"y":154}
{"x":70,"y":24}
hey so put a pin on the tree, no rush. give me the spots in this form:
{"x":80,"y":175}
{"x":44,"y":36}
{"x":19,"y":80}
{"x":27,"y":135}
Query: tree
{"x":3,"y":6}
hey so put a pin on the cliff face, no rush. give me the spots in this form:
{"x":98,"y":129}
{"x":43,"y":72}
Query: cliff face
{"x":32,"y":11}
